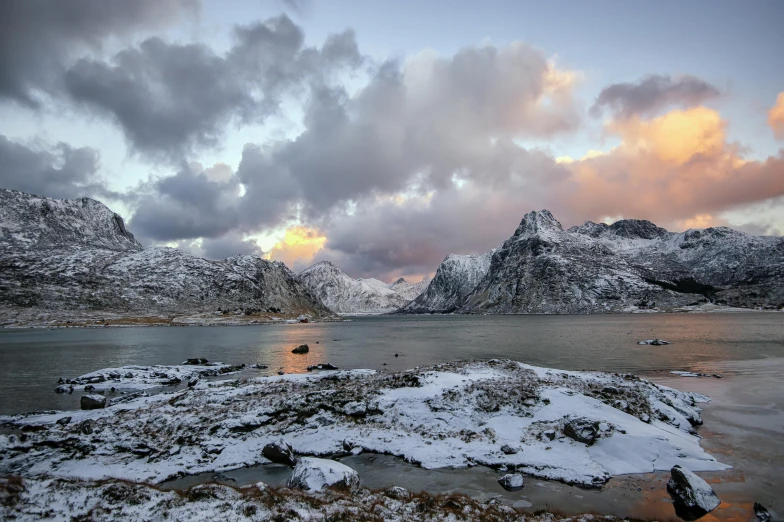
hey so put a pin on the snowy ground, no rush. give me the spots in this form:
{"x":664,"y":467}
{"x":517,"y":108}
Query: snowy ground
{"x":68,"y":499}
{"x":452,"y":415}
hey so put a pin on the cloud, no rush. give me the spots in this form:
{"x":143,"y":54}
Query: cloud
{"x":776,"y":117}
{"x":195,"y":202}
{"x":297,"y":247}
{"x":39,"y":37}
{"x":58,"y":170}
{"x":671,"y":169}
{"x":422,"y":123}
{"x":171,"y":99}
{"x":652,"y":94}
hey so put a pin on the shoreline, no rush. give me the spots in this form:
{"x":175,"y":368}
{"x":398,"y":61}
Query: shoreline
{"x":206,"y":319}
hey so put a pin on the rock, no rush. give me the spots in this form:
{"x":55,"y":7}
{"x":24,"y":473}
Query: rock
{"x":355,"y":409}
{"x":327,"y":366}
{"x":762,"y":514}
{"x":509,"y":450}
{"x":312,"y":474}
{"x":549,"y":434}
{"x":280,"y":452}
{"x":511,"y":481}
{"x":89,"y":387}
{"x":655,"y":342}
{"x":259,"y":366}
{"x":86,"y":427}
{"x":302,"y":348}
{"x":92,"y":402}
{"x":281,"y":372}
{"x":193,"y":382}
{"x":62,"y":421}
{"x":582,"y":430}
{"x":692,"y":495}
{"x":397,"y":493}
{"x":197,"y":361}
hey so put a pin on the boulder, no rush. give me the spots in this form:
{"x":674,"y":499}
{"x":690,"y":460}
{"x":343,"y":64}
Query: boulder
{"x":693,"y":496}
{"x":92,"y":402}
{"x":86,"y":427}
{"x":196,"y":361}
{"x":302,"y":348}
{"x":511,"y":481}
{"x":312,"y":474}
{"x":326,"y":366}
{"x":509,"y":450}
{"x":193,"y":381}
{"x":62,"y":421}
{"x":280,"y":452}
{"x":582,"y":430}
{"x":355,"y":409}
{"x":762,"y":514}
{"x":397,"y":493}
{"x":655,"y":342}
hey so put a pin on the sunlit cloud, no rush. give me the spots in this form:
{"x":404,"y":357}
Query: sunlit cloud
{"x":776,"y":117}
{"x":297,"y":247}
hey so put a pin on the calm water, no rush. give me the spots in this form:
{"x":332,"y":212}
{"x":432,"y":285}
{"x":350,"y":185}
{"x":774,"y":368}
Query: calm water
{"x":744,"y":424}
{"x":31,"y":361}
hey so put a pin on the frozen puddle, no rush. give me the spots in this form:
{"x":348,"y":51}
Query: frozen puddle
{"x":576,"y":427}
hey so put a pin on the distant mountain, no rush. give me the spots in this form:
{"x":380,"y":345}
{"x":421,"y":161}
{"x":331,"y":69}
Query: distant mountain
{"x":344,"y":295}
{"x":455,"y":279}
{"x":66,"y":256}
{"x":595,"y":268}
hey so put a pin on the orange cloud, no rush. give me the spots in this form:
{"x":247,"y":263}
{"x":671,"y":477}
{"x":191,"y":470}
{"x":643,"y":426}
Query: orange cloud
{"x":299,"y":244}
{"x":674,"y":137}
{"x":776,"y":117}
{"x":677,"y":170}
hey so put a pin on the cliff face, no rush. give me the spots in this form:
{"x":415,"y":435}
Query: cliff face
{"x":77,"y":255}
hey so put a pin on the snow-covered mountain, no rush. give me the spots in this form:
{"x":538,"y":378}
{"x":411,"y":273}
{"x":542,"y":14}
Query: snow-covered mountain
{"x":344,"y":295}
{"x":456,"y":277}
{"x":77,"y":256}
{"x":629,"y":265}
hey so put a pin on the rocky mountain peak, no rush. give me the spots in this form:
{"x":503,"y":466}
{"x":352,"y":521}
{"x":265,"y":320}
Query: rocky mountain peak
{"x":537,"y":223}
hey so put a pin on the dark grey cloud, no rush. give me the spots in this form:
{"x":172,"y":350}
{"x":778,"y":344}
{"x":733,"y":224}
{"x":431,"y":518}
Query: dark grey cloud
{"x":651,"y":94}
{"x":193,"y":203}
{"x":58,"y":170}
{"x":39,"y":37}
{"x":170,"y":98}
{"x":219,"y":248}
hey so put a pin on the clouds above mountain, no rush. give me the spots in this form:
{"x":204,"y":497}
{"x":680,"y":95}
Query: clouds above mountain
{"x":385,"y":165}
{"x":651,"y":94}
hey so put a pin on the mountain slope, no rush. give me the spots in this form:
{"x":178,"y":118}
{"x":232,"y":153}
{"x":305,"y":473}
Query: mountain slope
{"x":456,"y":277}
{"x":76,"y":255}
{"x":344,"y":295}
{"x":631,"y":264}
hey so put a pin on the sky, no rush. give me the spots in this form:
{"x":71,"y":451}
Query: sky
{"x":384,"y":136}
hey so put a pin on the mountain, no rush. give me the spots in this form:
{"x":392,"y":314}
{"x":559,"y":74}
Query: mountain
{"x":626,"y":266}
{"x":75,"y":256}
{"x":455,"y":279}
{"x":344,"y":295}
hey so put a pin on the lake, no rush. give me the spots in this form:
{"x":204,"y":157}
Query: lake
{"x":744,"y":425}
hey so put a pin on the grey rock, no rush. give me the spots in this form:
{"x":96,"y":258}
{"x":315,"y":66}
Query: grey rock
{"x":511,"y":481}
{"x":509,"y":450}
{"x":312,"y":474}
{"x":582,"y":430}
{"x":62,"y":421}
{"x":302,"y":348}
{"x":86,"y":427}
{"x":279,"y":452}
{"x":692,"y":495}
{"x":763,"y":515}
{"x":397,"y":493}
{"x":92,"y":402}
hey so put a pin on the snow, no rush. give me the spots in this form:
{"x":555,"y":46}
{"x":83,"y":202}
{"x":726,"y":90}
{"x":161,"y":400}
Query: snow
{"x":312,"y":474}
{"x":453,"y":415}
{"x":135,"y":377}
